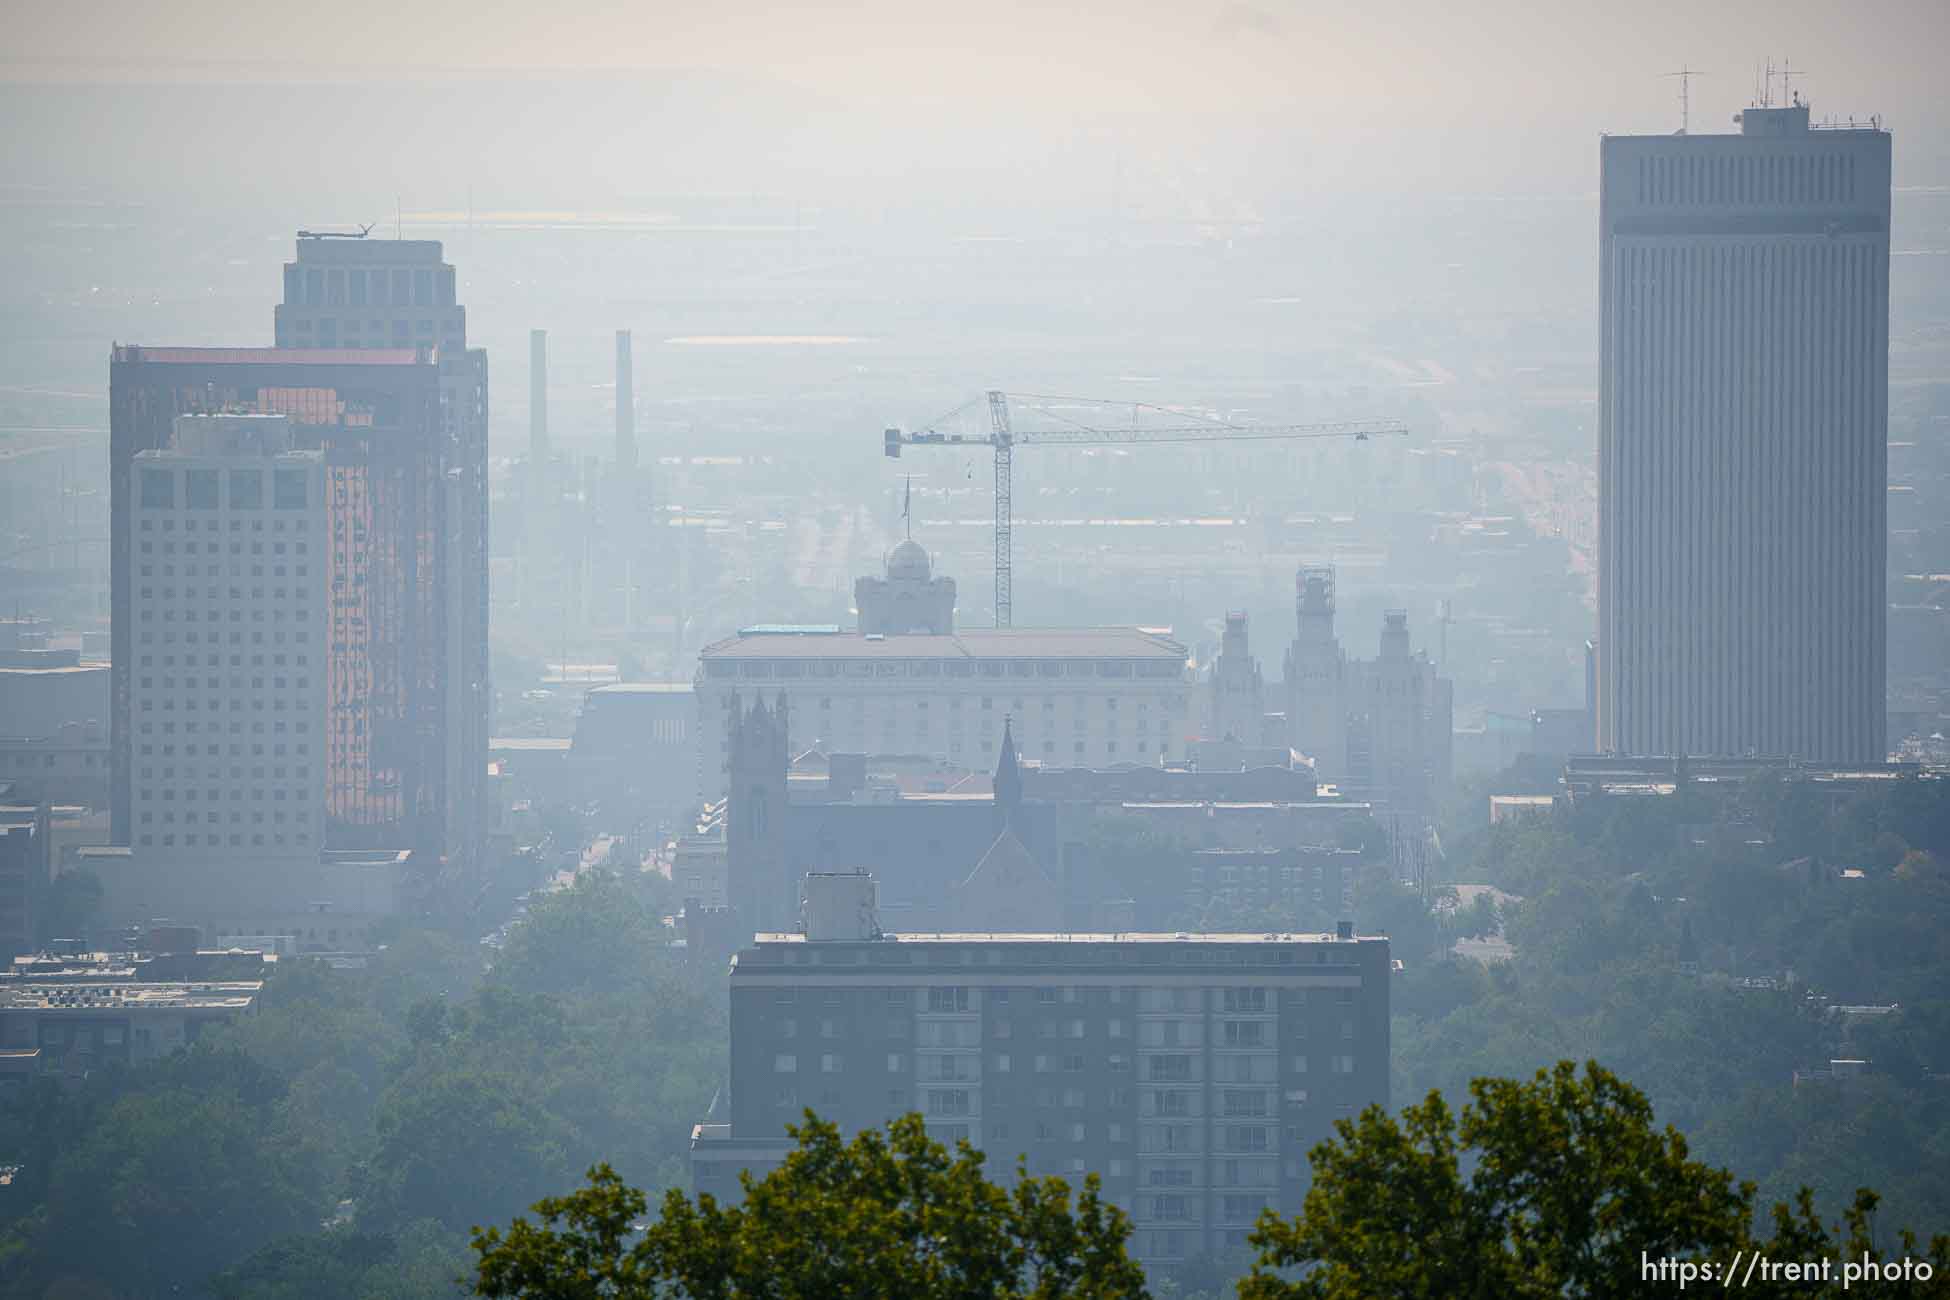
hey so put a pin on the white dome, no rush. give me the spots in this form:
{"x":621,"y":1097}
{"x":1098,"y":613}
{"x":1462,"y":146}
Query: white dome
{"x":908,"y":560}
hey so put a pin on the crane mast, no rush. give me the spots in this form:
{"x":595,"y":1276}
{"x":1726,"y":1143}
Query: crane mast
{"x":1004,"y":510}
{"x":1003,"y":439}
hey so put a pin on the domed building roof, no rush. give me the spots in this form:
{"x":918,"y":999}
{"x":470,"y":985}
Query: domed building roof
{"x":908,"y":560}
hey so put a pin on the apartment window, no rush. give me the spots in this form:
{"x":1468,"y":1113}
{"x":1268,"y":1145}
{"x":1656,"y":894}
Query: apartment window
{"x":948,"y":1101}
{"x":1244,"y":1033}
{"x":896,"y":1063}
{"x":1245,"y":1104}
{"x":1170,"y":1068}
{"x":1171,"y":1104}
{"x":1076,"y":1132}
{"x":1238,"y":1209}
{"x":1002,"y":1063}
{"x":246,"y":491}
{"x":785,"y":1063}
{"x":1073,"y":1065}
{"x":1344,"y":1065}
{"x":948,"y":1069}
{"x":1247,"y":1137}
{"x":1046,"y":995}
{"x":288,"y":492}
{"x":1042,"y":1065}
{"x":948,"y":1000}
{"x":829,"y":1063}
{"x":1246,"y":1001}
{"x":158,"y":489}
{"x":200,"y":489}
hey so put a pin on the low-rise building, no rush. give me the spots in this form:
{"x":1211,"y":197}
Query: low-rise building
{"x":1080,"y":697}
{"x":68,"y":766}
{"x":79,"y":1018}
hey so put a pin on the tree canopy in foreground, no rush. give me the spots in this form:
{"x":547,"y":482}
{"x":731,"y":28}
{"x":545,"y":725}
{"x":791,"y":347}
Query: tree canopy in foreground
{"x":1570,"y":1190}
{"x":894,"y":1215}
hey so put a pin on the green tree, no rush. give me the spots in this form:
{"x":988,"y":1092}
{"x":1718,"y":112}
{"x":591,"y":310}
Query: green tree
{"x":419,"y":1261}
{"x":167,"y":1188}
{"x":1561,"y":1186}
{"x":882,"y":1216}
{"x":590,"y":937}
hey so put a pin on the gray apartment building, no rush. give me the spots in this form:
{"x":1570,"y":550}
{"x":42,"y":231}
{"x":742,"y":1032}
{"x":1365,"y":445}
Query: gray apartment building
{"x":1192,"y":1072}
{"x":1743,"y":440}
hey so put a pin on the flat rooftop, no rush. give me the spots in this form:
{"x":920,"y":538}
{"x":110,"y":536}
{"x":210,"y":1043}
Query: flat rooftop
{"x":342,"y":248}
{"x":130,"y":352}
{"x":117,"y":996}
{"x":981,"y":643}
{"x":1057,"y":936}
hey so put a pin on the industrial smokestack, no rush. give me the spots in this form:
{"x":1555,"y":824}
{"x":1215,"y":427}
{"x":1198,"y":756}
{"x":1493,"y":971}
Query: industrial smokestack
{"x":537,"y":396}
{"x":625,"y":404}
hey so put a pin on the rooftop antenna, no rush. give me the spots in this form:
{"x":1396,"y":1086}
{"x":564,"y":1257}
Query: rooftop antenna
{"x":907,"y":508}
{"x":1788,"y":75}
{"x":1767,"y":98}
{"x":1685,"y":75}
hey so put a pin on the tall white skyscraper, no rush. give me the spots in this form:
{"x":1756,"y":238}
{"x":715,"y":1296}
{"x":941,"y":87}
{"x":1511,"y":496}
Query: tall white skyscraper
{"x":1743,"y":445}
{"x":229,"y":681}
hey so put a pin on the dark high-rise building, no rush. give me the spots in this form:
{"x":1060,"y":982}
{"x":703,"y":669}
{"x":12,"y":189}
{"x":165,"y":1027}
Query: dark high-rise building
{"x":1193,"y":1072}
{"x":390,"y":717}
{"x":1743,"y":445}
{"x":357,"y":292}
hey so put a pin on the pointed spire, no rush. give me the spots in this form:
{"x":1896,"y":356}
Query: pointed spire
{"x":1008,"y":776}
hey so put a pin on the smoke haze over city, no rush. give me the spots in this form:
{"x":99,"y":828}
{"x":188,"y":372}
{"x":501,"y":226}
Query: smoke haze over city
{"x":1455,"y":495}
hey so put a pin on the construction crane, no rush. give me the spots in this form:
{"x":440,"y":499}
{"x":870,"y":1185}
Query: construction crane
{"x":1004,"y":439}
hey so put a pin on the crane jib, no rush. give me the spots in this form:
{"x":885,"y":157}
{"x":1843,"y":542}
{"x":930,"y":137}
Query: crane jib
{"x":1003,"y":438}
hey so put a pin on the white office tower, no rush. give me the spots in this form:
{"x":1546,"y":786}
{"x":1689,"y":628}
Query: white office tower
{"x":1743,"y":450}
{"x":227,"y":692}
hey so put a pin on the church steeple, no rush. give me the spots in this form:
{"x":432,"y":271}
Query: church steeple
{"x":1008,"y":778}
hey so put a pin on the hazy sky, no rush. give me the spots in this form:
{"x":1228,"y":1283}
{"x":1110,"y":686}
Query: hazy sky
{"x":1436,"y":63}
